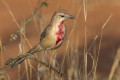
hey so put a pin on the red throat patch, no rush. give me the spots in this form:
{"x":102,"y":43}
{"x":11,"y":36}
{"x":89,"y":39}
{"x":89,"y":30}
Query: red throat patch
{"x":59,"y":33}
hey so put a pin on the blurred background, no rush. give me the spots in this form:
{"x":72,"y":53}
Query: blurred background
{"x":91,"y":48}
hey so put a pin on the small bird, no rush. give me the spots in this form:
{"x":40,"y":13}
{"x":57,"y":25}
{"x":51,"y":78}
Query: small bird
{"x":51,"y":38}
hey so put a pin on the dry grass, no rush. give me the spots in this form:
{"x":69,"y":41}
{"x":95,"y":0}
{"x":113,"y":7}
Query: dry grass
{"x":73,"y":68}
{"x":115,"y":65}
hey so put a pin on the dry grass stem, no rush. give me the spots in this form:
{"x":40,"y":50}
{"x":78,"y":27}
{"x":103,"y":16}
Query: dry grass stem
{"x":98,"y":52}
{"x":70,"y":36}
{"x":46,"y":64}
{"x":115,"y":65}
{"x":33,"y":17}
{"x":85,"y":43}
{"x":8,"y":8}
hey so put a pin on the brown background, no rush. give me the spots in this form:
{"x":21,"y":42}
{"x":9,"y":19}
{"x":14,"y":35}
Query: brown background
{"x":97,"y":13}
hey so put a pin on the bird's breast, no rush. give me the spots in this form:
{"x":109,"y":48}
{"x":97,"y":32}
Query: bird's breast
{"x":55,"y":36}
{"x":59,"y":33}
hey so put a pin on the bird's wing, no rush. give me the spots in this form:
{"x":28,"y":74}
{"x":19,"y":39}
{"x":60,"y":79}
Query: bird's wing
{"x":44,"y":33}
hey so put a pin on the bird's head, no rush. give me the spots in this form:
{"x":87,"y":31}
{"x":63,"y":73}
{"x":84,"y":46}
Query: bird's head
{"x":61,"y":15}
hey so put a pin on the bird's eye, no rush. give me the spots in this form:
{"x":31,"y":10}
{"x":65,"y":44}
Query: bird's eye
{"x":62,"y":15}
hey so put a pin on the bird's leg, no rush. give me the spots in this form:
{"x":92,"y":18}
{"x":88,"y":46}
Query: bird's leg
{"x":45,"y":56}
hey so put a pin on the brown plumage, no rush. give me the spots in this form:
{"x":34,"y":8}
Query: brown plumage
{"x":51,"y":38}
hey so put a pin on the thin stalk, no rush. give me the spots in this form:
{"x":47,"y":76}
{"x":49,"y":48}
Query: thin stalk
{"x":9,"y":10}
{"x":85,"y":44}
{"x":101,"y":36}
{"x":115,"y":64}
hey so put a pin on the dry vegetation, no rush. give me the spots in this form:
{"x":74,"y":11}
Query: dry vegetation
{"x":90,"y":52}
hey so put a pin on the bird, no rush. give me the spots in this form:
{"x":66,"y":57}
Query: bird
{"x":51,"y":38}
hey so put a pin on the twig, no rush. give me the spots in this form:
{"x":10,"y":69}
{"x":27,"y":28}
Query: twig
{"x":46,"y":64}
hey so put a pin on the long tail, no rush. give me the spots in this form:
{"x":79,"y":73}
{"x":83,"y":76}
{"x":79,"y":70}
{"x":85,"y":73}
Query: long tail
{"x":13,"y":62}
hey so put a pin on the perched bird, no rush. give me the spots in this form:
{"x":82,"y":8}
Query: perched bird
{"x":51,"y":38}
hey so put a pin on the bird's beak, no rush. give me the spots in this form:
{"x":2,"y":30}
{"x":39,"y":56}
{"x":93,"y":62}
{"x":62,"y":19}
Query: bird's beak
{"x":71,"y":17}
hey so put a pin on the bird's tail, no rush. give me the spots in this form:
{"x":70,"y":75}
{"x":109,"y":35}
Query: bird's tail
{"x":20,"y":58}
